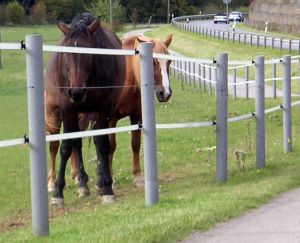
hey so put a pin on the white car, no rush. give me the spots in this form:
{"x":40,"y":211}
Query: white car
{"x":236,"y":16}
{"x":220,"y":18}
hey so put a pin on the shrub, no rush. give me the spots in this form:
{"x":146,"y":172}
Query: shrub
{"x":16,"y":12}
{"x":39,"y":12}
{"x":3,"y":14}
{"x":102,"y":8}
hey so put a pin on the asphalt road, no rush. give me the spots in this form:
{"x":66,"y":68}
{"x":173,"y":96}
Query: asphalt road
{"x":275,"y":222}
{"x":240,"y":35}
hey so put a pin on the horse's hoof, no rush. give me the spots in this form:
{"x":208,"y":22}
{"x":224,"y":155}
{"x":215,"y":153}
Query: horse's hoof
{"x":139,"y":182}
{"x":57,"y":201}
{"x":98,"y":190}
{"x":75,"y":179}
{"x":83,"y":191}
{"x":51,"y":187}
{"x":108,"y":199}
{"x":114,"y":184}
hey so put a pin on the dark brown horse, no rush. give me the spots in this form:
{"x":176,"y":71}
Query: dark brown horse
{"x":129,"y":103}
{"x":83,"y":83}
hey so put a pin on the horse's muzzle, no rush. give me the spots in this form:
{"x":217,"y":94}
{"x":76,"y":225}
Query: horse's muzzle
{"x":77,"y":95}
{"x":163,"y":96}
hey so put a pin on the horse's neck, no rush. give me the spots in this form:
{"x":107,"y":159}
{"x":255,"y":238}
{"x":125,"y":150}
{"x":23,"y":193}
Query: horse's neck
{"x":136,"y":69}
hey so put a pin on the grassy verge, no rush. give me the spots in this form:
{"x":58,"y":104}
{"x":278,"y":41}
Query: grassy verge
{"x":199,"y":46}
{"x":190,"y":199}
{"x":242,"y":26}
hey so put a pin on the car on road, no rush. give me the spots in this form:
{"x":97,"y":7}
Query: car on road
{"x":236,"y":16}
{"x":220,"y":18}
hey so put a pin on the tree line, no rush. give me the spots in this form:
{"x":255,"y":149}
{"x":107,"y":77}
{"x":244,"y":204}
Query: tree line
{"x":123,"y":11}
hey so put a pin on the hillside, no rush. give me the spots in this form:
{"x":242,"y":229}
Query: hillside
{"x":282,"y":15}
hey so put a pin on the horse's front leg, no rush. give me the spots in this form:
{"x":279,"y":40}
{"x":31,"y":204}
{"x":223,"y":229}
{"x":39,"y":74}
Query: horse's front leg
{"x":104,"y":183}
{"x":113,"y":145}
{"x":138,"y":179}
{"x":70,"y":122}
{"x":53,"y":124}
{"x":83,"y":178}
{"x":65,"y":153}
{"x":51,"y":174}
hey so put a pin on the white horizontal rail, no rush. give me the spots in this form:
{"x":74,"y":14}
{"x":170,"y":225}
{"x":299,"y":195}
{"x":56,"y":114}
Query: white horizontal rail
{"x":72,"y":135}
{"x":241,"y":117}
{"x":273,"y":109}
{"x":12,"y":142}
{"x":182,"y":58}
{"x":10,"y":46}
{"x":56,"y":137}
{"x":184,"y":125}
{"x":296,"y":103}
{"x":85,"y":50}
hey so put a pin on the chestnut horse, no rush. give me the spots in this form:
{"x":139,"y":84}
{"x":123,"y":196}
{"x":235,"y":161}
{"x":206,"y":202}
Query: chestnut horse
{"x":83,"y":83}
{"x":129,"y":103}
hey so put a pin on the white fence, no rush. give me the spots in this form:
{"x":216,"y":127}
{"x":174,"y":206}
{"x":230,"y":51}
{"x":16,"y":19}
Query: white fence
{"x":262,"y":40}
{"x":37,"y":136}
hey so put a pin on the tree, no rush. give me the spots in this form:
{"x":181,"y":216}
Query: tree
{"x":39,"y":12}
{"x":64,"y":9}
{"x":16,"y":12}
{"x":3,"y":13}
{"x":102,"y":8}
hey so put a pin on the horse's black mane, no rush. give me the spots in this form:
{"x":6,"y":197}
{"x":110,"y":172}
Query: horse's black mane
{"x":80,"y":23}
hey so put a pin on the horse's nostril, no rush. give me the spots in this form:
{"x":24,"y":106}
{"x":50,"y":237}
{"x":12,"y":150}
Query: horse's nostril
{"x":77,"y":95}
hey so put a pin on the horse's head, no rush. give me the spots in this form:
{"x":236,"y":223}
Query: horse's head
{"x":161,"y":67}
{"x":77,"y":68}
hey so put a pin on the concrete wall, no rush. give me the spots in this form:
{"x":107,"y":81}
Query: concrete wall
{"x":282,"y":15}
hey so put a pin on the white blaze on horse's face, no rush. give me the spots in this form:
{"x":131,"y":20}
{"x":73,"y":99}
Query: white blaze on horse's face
{"x":165,"y":78}
{"x":162,"y":81}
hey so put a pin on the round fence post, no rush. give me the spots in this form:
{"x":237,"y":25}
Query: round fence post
{"x":274,"y":81}
{"x":209,"y":78}
{"x":185,"y":72}
{"x":189,"y":73}
{"x":200,"y":76}
{"x":273,"y":43}
{"x":260,"y":111}
{"x":246,"y":82}
{"x":149,"y":126}
{"x":0,"y":52}
{"x":181,"y":75}
{"x":234,"y":83}
{"x":194,"y":74}
{"x":204,"y":78}
{"x":280,"y":44}
{"x":287,"y":117}
{"x":37,"y":140}
{"x":222,"y":109}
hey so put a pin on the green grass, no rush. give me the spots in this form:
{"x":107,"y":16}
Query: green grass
{"x":190,"y":198}
{"x":270,"y":33}
{"x":199,"y":46}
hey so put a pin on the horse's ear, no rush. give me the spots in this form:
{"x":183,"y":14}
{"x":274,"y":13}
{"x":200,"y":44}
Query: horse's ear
{"x":63,"y":27}
{"x":168,"y":40}
{"x":94,"y":25}
{"x":142,"y":39}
